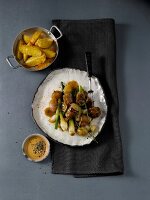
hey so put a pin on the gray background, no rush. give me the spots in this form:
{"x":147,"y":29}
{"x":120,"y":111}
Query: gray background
{"x":24,"y":180}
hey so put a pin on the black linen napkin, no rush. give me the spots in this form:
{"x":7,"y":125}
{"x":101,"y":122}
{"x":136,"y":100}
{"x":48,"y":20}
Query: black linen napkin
{"x":97,"y":36}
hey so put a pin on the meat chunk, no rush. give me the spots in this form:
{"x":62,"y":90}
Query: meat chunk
{"x":67,"y":98}
{"x":94,"y":112}
{"x":81,"y":98}
{"x":57,"y":94}
{"x":84,"y":121}
{"x":53,"y":105}
{"x":72,"y":111}
{"x":89,"y":102}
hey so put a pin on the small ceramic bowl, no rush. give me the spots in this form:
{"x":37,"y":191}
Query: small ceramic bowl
{"x":32,"y":147}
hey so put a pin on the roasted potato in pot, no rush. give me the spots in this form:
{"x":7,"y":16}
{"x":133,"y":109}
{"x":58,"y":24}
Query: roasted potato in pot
{"x":36,"y":50}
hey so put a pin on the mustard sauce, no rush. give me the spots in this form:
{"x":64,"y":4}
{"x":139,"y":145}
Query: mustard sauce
{"x":35,"y":148}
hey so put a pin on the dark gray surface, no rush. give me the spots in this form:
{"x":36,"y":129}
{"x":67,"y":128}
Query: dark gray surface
{"x":21,"y":179}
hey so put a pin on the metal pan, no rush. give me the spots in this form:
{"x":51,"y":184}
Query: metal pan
{"x":30,"y":31}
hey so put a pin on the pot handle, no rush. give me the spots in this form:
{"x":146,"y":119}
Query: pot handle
{"x":8,"y":59}
{"x":58,"y":30}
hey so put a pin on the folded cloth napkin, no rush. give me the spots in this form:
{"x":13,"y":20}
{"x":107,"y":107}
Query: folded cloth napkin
{"x":98,"y":37}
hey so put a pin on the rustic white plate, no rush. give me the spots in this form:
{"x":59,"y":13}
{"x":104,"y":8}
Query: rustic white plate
{"x":42,"y":98}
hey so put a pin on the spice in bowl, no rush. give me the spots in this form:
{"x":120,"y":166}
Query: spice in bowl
{"x":36,"y":147}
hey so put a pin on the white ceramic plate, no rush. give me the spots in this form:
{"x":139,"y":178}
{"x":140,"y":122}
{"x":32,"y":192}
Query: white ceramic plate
{"x":42,"y":98}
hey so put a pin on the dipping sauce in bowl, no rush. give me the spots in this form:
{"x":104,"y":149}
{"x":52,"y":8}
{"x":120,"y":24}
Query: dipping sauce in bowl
{"x":36,"y":147}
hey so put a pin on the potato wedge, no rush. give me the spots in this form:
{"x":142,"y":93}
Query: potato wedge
{"x":44,"y":42}
{"x":43,"y":35}
{"x":33,"y":61}
{"x":49,"y":53}
{"x":30,"y":50}
{"x":18,"y":53}
{"x":26,"y":38}
{"x":44,"y":65}
{"x":35,"y":36}
{"x":53,"y":48}
{"x":25,"y":57}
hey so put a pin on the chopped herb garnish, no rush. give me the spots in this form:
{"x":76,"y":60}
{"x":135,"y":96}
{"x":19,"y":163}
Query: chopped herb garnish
{"x":39,"y":147}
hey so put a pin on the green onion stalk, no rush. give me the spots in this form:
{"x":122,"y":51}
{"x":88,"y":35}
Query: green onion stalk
{"x":63,"y":123}
{"x":57,"y":113}
{"x":71,"y":127}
